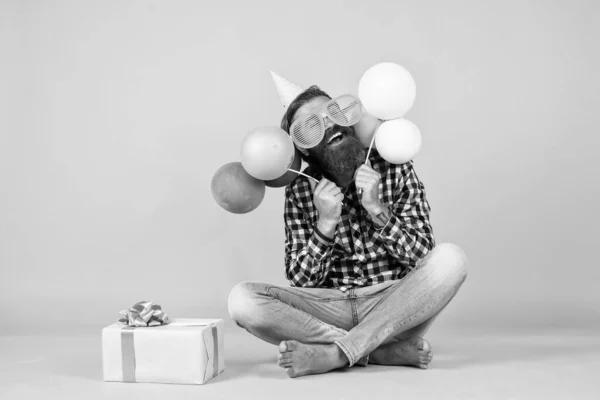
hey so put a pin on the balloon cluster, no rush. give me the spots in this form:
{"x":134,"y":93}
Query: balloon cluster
{"x":269,"y":157}
{"x":387,"y":91}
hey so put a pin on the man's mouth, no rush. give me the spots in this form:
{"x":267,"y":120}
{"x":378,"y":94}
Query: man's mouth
{"x":336,"y":138}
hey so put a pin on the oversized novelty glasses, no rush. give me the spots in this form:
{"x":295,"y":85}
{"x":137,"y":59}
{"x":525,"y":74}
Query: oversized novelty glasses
{"x":308,"y":131}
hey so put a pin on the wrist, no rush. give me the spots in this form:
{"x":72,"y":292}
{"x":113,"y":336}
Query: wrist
{"x":327,"y":227}
{"x":376,"y":209}
{"x":380,"y":216}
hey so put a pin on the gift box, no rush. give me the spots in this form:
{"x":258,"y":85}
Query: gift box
{"x":184,"y":351}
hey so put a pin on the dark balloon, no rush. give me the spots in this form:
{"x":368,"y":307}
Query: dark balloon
{"x":289,"y":176}
{"x":235,"y":190}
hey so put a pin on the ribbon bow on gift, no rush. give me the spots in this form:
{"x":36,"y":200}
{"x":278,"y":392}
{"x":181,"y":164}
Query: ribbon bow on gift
{"x":144,"y":313}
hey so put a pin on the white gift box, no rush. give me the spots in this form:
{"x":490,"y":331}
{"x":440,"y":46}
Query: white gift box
{"x":185,"y":351}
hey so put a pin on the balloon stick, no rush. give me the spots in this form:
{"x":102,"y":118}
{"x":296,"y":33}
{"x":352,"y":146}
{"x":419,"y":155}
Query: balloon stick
{"x":368,"y":153}
{"x":302,"y":173}
{"x":370,"y":147}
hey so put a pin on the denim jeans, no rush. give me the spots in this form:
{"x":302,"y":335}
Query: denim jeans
{"x":359,"y":320}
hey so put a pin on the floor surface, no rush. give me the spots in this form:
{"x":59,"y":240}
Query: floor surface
{"x":517,"y":365}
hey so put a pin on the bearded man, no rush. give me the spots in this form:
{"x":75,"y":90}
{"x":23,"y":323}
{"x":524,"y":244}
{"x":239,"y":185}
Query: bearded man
{"x":367,"y":279}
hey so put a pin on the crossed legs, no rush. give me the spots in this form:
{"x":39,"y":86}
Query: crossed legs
{"x":315,"y":328}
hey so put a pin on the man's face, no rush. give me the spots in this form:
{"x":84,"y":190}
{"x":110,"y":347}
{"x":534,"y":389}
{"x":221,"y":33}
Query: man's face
{"x":340,"y":151}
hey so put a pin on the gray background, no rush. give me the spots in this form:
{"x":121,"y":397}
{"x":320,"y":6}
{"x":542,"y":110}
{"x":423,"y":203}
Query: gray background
{"x":116,"y":114}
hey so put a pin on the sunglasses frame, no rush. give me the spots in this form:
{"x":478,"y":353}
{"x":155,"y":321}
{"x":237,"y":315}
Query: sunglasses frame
{"x":324,"y":112}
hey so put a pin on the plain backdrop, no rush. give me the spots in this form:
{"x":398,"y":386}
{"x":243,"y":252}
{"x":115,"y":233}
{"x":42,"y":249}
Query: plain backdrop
{"x":114,"y":116}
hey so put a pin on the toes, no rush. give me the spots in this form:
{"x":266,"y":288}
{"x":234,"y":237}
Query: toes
{"x":424,"y":346}
{"x":287,"y":345}
{"x":290,"y":372}
{"x":282,"y":347}
{"x":284,"y":357}
{"x":291,"y":345}
{"x":425,"y":358}
{"x":424,"y":361}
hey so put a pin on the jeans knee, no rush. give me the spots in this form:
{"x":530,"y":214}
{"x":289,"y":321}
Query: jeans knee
{"x":242,"y":300}
{"x":451,"y":261}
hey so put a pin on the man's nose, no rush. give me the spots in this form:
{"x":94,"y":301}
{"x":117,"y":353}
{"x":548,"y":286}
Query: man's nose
{"x":328,"y":122}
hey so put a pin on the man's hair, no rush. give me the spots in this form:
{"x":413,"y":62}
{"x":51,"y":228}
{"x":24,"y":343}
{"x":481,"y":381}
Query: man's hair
{"x":302,"y":99}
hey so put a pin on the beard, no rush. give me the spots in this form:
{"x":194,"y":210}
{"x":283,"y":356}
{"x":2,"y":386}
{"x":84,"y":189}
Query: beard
{"x":343,"y":158}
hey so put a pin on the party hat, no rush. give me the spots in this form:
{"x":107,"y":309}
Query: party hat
{"x":287,"y":90}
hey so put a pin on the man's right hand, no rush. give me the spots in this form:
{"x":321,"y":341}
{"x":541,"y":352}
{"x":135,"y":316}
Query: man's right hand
{"x":328,"y":201}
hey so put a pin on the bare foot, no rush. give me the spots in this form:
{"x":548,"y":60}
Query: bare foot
{"x":303,"y":359}
{"x":412,"y":352}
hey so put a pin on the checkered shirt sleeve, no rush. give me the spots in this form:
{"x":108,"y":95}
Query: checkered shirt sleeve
{"x":407,"y":235}
{"x":306,"y":253}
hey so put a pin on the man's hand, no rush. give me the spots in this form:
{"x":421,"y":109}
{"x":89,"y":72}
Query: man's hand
{"x":328,"y":201}
{"x":367,"y":179}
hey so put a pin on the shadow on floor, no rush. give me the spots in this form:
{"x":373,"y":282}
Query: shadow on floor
{"x":455,"y":354}
{"x":510,"y":350}
{"x":83,"y":360}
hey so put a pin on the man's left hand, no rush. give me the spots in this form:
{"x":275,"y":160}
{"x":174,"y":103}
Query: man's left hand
{"x":367,"y":179}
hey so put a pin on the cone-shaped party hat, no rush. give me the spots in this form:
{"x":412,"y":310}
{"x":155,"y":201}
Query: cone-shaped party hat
{"x":287,"y":90}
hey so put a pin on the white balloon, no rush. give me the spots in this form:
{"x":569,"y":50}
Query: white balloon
{"x":398,"y":140}
{"x":387,"y":91}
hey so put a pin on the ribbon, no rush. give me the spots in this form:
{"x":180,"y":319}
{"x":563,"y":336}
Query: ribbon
{"x":141,"y":314}
{"x":215,"y":360}
{"x":128,"y":354}
{"x":144,"y":313}
{"x":215,"y":350}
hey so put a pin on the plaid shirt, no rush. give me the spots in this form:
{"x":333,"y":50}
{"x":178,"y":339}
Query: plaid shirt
{"x":360,"y":254}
